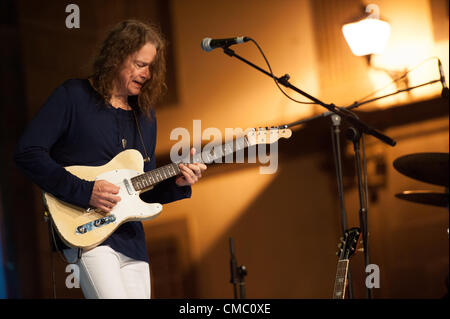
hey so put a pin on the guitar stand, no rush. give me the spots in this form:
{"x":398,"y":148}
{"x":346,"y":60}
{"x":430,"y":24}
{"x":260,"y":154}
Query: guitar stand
{"x":237,"y":273}
{"x":242,"y":272}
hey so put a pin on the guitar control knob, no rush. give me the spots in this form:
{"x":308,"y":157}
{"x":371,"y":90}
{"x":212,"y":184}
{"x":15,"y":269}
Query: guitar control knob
{"x":81,"y":229}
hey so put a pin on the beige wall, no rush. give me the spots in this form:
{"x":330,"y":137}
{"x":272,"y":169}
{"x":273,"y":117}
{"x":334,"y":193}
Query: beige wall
{"x":224,"y":92}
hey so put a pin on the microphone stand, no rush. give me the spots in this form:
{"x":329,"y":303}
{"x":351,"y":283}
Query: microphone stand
{"x":336,"y":121}
{"x":242,"y":272}
{"x":357,"y":104}
{"x":352,"y":120}
{"x":237,"y":272}
{"x":355,"y":136}
{"x":349,"y":117}
{"x":233,"y":268}
{"x":356,"y":133}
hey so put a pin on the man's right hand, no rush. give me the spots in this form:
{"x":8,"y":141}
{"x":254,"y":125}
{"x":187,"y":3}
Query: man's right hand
{"x":103,"y":195}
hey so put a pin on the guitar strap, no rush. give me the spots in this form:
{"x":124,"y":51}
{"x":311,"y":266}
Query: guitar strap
{"x":146,"y":158}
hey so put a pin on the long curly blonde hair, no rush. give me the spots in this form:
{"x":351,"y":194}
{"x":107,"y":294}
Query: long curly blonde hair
{"x":125,"y":38}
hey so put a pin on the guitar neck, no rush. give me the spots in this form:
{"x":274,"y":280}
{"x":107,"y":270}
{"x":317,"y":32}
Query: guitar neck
{"x":153,"y":177}
{"x":341,"y":279}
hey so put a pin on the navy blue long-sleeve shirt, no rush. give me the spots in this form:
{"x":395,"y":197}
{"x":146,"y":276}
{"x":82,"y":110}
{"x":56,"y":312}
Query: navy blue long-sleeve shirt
{"x":76,"y":126}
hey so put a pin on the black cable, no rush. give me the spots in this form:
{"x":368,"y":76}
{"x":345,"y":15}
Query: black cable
{"x":362,"y":100}
{"x":366,"y":212}
{"x":366,"y":186}
{"x":274,"y":77}
{"x":52,"y":240}
{"x":52,"y":266}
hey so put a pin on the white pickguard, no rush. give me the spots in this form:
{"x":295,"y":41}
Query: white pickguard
{"x":130,"y":207}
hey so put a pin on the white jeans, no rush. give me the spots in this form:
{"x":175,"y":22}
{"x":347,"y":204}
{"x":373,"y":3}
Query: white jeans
{"x":107,"y":274}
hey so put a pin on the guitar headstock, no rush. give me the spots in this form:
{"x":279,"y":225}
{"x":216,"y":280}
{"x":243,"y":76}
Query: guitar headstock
{"x":267,"y":135}
{"x":349,"y":243}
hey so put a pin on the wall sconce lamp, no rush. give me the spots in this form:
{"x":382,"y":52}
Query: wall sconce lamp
{"x":368,"y":35}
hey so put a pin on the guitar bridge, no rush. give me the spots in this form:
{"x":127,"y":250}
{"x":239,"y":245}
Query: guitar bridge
{"x":83,"y":229}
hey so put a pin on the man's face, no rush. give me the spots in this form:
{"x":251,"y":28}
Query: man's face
{"x":135,"y":70}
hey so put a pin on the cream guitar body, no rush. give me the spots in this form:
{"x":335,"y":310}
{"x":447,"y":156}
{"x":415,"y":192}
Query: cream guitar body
{"x":86,"y":229}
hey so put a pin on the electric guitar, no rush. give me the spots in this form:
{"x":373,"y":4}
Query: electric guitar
{"x":347,"y":249}
{"x":88,"y":228}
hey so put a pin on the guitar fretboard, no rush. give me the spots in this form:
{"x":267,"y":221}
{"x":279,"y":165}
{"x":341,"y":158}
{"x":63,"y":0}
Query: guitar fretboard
{"x":341,"y":279}
{"x":209,"y":155}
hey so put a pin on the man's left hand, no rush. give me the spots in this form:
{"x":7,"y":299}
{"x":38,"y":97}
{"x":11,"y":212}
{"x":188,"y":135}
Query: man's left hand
{"x":191,"y":173}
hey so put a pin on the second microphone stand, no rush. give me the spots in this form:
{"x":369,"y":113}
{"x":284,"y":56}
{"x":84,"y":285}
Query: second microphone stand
{"x":335,"y":138}
{"x":355,"y":136}
{"x":237,"y":274}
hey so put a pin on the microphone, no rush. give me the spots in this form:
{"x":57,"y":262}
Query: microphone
{"x":209,"y":44}
{"x":444,"y":85}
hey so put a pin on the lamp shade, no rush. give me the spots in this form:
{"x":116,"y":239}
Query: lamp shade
{"x":367,"y":36}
